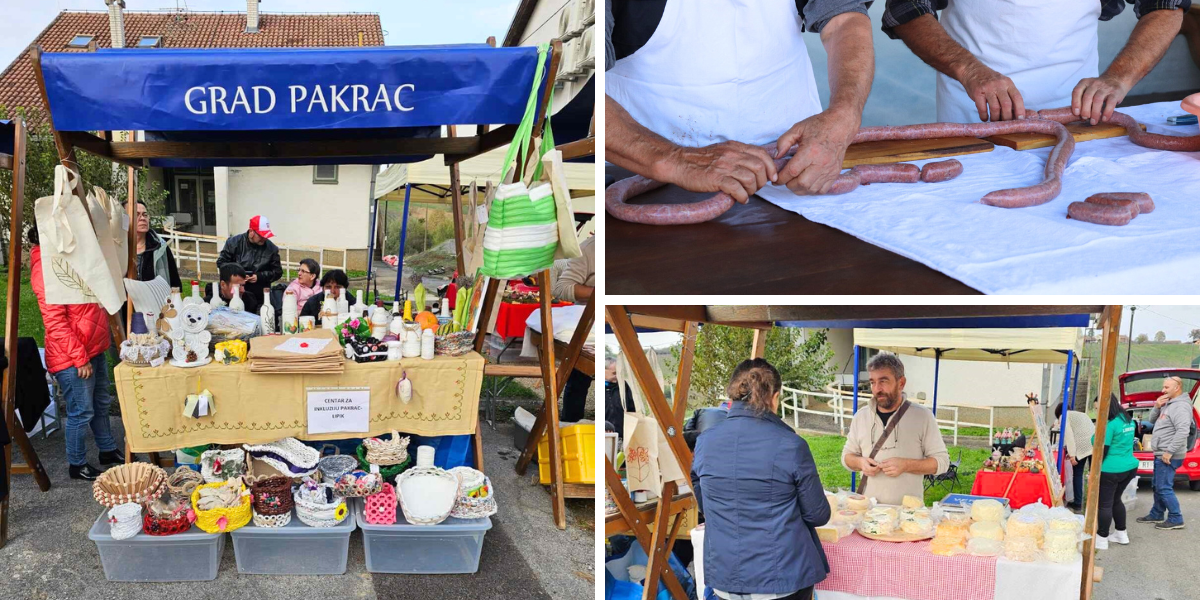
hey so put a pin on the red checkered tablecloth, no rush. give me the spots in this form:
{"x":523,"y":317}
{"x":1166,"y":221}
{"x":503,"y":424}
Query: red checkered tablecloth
{"x":908,"y":570}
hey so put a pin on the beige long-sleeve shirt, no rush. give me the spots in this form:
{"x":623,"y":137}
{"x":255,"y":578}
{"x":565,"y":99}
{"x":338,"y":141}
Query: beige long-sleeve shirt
{"x":580,"y":270}
{"x":916,"y":436}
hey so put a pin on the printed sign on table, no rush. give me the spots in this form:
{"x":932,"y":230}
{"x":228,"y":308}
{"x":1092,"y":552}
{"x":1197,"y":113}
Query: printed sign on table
{"x":336,"y":410}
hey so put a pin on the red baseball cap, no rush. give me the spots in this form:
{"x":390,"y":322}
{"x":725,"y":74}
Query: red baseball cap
{"x":260,"y":225}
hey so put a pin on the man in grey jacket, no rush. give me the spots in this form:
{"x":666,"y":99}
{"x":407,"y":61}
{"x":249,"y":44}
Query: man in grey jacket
{"x":1172,"y":417}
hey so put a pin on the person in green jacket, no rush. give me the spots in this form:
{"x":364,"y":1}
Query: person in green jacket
{"x":1116,"y":471}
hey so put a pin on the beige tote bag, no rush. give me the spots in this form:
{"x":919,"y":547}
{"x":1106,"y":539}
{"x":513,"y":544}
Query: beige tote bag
{"x":74,"y":267}
{"x":112,"y":231}
{"x":568,"y":240}
{"x":648,"y":458}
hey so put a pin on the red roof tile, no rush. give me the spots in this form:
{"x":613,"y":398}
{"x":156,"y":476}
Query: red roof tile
{"x":18,"y":85}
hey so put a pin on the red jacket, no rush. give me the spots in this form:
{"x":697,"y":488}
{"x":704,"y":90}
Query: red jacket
{"x":75,"y":333}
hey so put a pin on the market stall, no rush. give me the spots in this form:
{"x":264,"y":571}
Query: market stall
{"x":361,"y":374}
{"x":923,"y":574}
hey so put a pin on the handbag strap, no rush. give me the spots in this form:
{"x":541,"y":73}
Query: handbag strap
{"x":61,"y":236}
{"x":887,"y":431}
{"x":525,"y":129}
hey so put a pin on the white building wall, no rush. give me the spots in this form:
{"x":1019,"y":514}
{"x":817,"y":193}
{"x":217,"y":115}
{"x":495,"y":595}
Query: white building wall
{"x":544,"y":25}
{"x":300,"y":212}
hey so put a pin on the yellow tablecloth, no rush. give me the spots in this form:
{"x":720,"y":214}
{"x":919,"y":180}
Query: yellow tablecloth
{"x":258,"y":408}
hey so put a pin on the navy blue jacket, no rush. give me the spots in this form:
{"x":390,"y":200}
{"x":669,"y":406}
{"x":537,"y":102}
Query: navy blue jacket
{"x":757,"y":485}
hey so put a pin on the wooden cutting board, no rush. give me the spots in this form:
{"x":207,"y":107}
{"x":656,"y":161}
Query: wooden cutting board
{"x":892,"y":151}
{"x":1081,"y":131}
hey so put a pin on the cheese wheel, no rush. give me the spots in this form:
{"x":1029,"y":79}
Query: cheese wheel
{"x":833,"y":504}
{"x":984,"y":547}
{"x":857,"y":502}
{"x":987,"y":530}
{"x":1020,"y":548}
{"x":1061,"y":545}
{"x":878,"y":525}
{"x":987,"y":510}
{"x":912,"y":502}
{"x":946,"y":546}
{"x":955,"y":528}
{"x":887,"y":512}
{"x":846,"y":516}
{"x":1026,"y":525}
{"x":917,"y":525}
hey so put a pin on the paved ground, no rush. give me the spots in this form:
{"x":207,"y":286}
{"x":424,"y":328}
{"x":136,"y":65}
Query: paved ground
{"x":49,"y":557}
{"x":1156,"y":565}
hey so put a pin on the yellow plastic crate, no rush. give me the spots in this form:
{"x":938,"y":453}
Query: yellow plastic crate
{"x":578,"y":455}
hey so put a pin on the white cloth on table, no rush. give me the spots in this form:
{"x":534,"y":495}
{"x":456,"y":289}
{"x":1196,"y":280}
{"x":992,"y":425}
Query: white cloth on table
{"x":565,"y":319}
{"x":1054,"y":580}
{"x":1037,"y":249}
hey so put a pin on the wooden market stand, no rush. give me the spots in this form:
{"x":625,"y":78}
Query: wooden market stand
{"x":625,"y":320}
{"x":456,"y":149}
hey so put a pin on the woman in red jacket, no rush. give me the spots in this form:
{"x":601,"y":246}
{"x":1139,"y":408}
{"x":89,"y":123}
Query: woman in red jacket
{"x":76,"y":339}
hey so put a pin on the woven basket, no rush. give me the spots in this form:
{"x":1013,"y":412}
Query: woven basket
{"x":380,"y":508}
{"x":125,"y":520}
{"x":358,"y":484}
{"x":220,"y":520}
{"x":454,"y":344}
{"x":318,"y":506}
{"x":334,"y":467}
{"x":177,"y":522}
{"x":217,"y":466}
{"x":476,"y":496}
{"x":387,"y":452}
{"x":431,"y":494}
{"x":272,"y":521}
{"x":289,"y":456}
{"x":272,"y":496}
{"x":183,"y":482}
{"x":138,"y":482}
{"x":388,"y":472}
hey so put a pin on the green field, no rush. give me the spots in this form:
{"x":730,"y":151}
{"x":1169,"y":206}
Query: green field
{"x":1149,"y":355}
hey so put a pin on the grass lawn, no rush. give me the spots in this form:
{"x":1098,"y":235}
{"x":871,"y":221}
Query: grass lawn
{"x":983,"y":431}
{"x":31,"y":315}
{"x":827,"y":450}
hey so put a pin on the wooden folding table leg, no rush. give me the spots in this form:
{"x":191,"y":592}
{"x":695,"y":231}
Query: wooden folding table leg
{"x":658,"y":552}
{"x":489,"y":299}
{"x":128,"y":453}
{"x":550,"y":405}
{"x":478,"y":448}
{"x":633,"y":519}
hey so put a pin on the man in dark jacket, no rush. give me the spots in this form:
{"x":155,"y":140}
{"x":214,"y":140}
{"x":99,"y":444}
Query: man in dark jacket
{"x":256,"y":254}
{"x":231,"y":275}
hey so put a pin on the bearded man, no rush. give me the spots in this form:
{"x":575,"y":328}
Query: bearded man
{"x":893,"y":442}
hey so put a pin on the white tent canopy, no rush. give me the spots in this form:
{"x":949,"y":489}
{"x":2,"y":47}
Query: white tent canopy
{"x":1028,"y":345}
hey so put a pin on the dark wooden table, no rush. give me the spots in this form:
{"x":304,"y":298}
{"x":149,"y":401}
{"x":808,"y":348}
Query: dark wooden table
{"x":755,"y":248}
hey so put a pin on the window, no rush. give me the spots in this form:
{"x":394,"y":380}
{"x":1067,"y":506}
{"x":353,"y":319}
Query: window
{"x":149,"y":41}
{"x":80,"y":41}
{"x":325,"y":174}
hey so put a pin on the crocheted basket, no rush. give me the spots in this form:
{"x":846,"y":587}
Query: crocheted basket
{"x":219,"y":520}
{"x":318,"y":506}
{"x":334,"y":467}
{"x":426,"y":494}
{"x":357,"y":484}
{"x":380,"y":508}
{"x":454,"y":344}
{"x":217,"y":466}
{"x":388,"y":472}
{"x":272,"y":496}
{"x":386,"y":452}
{"x":476,"y":496}
{"x":289,"y":456}
{"x":138,"y":482}
{"x":178,"y":521}
{"x":125,"y":520}
{"x":183,"y":482}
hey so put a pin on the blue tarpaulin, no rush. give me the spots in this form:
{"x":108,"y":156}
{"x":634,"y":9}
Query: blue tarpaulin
{"x":288,"y":89}
{"x":7,"y":131}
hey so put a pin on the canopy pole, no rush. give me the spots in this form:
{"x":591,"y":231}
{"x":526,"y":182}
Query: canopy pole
{"x":854,"y":475}
{"x":456,"y":204}
{"x":403,"y":236}
{"x":1062,"y":422}
{"x":374,"y":203}
{"x":937,"y":364}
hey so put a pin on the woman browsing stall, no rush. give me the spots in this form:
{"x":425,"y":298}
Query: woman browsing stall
{"x":763,"y":502}
{"x":1116,"y":471}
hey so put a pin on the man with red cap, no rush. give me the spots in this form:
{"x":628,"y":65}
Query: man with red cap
{"x":256,"y":254}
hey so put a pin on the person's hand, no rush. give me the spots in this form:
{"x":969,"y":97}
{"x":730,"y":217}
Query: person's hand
{"x":995,"y":96}
{"x":822,"y":140}
{"x":870,"y":468}
{"x":732,"y":167}
{"x":253,"y":278}
{"x":894,"y":467}
{"x":1073,"y":461}
{"x":1095,"y":98}
{"x":85,"y":371}
{"x":1166,"y":457}
{"x":1162,"y":400}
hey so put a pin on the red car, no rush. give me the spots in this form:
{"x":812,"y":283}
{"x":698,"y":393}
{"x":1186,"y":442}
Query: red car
{"x":1139,"y":390}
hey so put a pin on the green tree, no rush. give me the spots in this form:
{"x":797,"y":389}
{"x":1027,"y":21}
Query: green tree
{"x":1160,"y":337}
{"x":803,"y":359}
{"x":1194,"y":335}
{"x":40,"y":159}
{"x":1141,"y":339}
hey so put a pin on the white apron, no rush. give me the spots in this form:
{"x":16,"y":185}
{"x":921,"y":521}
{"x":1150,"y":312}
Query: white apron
{"x":1044,"y":47}
{"x":719,"y":70}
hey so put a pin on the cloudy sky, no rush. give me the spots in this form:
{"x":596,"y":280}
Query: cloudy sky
{"x":404,"y":22}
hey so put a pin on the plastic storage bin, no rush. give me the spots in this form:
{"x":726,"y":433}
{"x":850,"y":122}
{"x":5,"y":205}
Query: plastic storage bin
{"x":452,"y":546}
{"x":578,"y":455}
{"x":295,"y":549}
{"x":190,"y":556}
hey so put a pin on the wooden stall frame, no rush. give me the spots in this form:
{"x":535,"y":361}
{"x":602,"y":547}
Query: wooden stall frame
{"x":631,"y":519}
{"x":455,"y":149}
{"x":33,"y":465}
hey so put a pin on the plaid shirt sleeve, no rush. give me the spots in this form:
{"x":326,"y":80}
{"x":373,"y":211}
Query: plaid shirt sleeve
{"x":818,"y":13}
{"x":899,"y":12}
{"x":1141,"y":8}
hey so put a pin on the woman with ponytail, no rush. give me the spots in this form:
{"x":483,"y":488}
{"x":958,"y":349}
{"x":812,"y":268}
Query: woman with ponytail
{"x":757,"y":486}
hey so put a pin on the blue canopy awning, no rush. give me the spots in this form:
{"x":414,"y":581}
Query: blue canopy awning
{"x":1009,"y":322}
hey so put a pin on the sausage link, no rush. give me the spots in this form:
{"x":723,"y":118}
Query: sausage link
{"x":1100,"y":214}
{"x":1145,"y":204}
{"x":1129,"y":205}
{"x":944,"y":170}
{"x":889,"y":173}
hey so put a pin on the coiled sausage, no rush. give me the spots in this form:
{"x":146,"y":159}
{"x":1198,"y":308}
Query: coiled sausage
{"x":1144,"y":203}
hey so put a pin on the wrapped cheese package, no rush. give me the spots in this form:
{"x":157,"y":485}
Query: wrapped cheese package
{"x":833,"y":503}
{"x":846,"y":516}
{"x":917,"y":525}
{"x":987,"y":510}
{"x":1061,"y":545}
{"x":946,"y":546}
{"x":858,"y":502}
{"x":978,"y":546}
{"x":1026,"y":525}
{"x":954,"y":527}
{"x":987,"y":530}
{"x":912,"y":502}
{"x":1020,"y":548}
{"x":877,"y":522}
